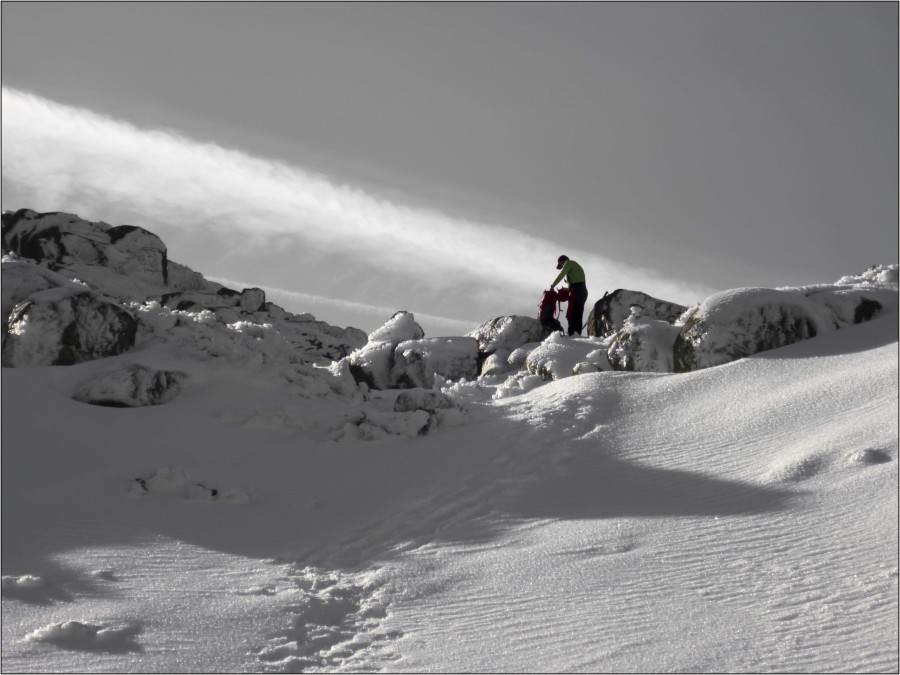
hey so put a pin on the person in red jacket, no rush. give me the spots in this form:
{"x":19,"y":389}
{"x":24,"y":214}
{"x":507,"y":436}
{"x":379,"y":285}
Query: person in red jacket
{"x":578,"y":292}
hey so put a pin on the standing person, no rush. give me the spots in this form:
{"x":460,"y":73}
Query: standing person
{"x":578,"y":292}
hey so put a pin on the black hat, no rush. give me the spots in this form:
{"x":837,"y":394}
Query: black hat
{"x":561,"y":261}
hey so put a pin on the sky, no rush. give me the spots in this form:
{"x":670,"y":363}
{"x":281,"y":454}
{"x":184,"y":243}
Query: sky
{"x":354,"y":159}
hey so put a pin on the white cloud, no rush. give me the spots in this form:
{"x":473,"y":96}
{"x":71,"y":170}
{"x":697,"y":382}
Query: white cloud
{"x":232,"y":212}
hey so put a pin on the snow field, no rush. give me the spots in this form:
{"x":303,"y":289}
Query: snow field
{"x":740,"y":518}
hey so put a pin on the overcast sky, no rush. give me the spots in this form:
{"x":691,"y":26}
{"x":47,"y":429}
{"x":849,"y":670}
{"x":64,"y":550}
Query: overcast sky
{"x":364,"y":158}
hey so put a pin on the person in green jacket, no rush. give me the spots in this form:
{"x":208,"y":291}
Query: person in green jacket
{"x":578,"y":293}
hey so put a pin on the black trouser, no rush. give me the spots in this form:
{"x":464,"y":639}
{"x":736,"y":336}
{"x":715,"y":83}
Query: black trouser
{"x":577,"y":299}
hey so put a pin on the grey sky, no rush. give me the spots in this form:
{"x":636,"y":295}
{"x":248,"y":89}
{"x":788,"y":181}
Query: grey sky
{"x":725,"y":144}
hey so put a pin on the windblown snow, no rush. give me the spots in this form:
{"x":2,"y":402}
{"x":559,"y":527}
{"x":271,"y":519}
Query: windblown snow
{"x":209,"y":502}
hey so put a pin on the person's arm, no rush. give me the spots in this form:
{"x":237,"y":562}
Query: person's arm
{"x":562,"y":273}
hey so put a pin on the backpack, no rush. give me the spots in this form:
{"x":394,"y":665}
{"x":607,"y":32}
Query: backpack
{"x":549,"y":309}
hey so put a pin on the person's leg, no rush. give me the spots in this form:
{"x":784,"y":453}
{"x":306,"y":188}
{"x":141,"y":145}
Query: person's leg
{"x":577,"y":305}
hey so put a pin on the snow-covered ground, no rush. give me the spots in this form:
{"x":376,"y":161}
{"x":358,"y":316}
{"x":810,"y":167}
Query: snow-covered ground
{"x":742,"y":517}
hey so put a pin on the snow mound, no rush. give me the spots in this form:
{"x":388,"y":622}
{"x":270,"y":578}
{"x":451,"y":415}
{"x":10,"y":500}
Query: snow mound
{"x":745,"y":321}
{"x":89,"y":637}
{"x":399,"y":328}
{"x":557,"y":356}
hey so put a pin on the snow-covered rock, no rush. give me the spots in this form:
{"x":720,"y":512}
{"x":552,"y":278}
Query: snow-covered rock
{"x":609,"y":312}
{"x":416,"y":362}
{"x":399,"y":328}
{"x":738,"y":323}
{"x":398,"y":356}
{"x":504,"y":334}
{"x":65,"y":325}
{"x":65,"y":241}
{"x":558,"y":355}
{"x":373,"y":364}
{"x":131,"y":386}
{"x":643,"y":344}
{"x":127,"y":266}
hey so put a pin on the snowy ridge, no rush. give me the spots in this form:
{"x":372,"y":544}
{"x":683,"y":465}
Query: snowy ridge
{"x":229,"y":494}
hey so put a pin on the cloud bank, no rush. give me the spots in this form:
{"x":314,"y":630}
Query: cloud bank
{"x":227,"y":213}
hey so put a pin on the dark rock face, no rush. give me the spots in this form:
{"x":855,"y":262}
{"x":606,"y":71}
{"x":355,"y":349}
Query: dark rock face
{"x":610,"y":311}
{"x":59,"y":327}
{"x":132,"y":386}
{"x":58,"y":240}
{"x":867,"y":310}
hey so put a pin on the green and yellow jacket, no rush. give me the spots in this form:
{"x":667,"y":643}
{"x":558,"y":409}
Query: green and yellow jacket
{"x":573,"y":273}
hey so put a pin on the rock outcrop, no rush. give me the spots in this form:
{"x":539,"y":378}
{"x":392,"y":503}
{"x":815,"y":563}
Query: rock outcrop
{"x":609,"y":312}
{"x":745,"y":321}
{"x":131,"y":386}
{"x":111,"y":270}
{"x":62,"y":241}
{"x":398,"y":356}
{"x":63,"y":326}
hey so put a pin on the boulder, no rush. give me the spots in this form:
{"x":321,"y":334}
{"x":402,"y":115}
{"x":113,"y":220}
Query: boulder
{"x":400,"y":327}
{"x":373,"y":363}
{"x":643,"y":345}
{"x":505,"y":334}
{"x":609,"y":312}
{"x":252,"y":299}
{"x":558,"y":355}
{"x":393,"y":360}
{"x":63,"y":326}
{"x":422,"y":399}
{"x":745,"y":321}
{"x":131,"y":386}
{"x":65,"y":241}
{"x":416,"y":362}
{"x":734,"y":324}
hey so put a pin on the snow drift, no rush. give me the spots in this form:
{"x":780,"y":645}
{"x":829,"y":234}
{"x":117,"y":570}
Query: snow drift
{"x":215,"y":484}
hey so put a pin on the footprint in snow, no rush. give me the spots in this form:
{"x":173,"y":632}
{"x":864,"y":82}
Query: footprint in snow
{"x":336,"y":619}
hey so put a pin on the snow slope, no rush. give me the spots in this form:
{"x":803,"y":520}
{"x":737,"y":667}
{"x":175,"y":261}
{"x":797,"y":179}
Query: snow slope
{"x":737,"y":518}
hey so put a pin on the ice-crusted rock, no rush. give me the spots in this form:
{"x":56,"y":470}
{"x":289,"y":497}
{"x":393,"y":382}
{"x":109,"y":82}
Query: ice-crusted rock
{"x":131,"y":386}
{"x":504,"y":334}
{"x":609,"y":312}
{"x":63,"y":326}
